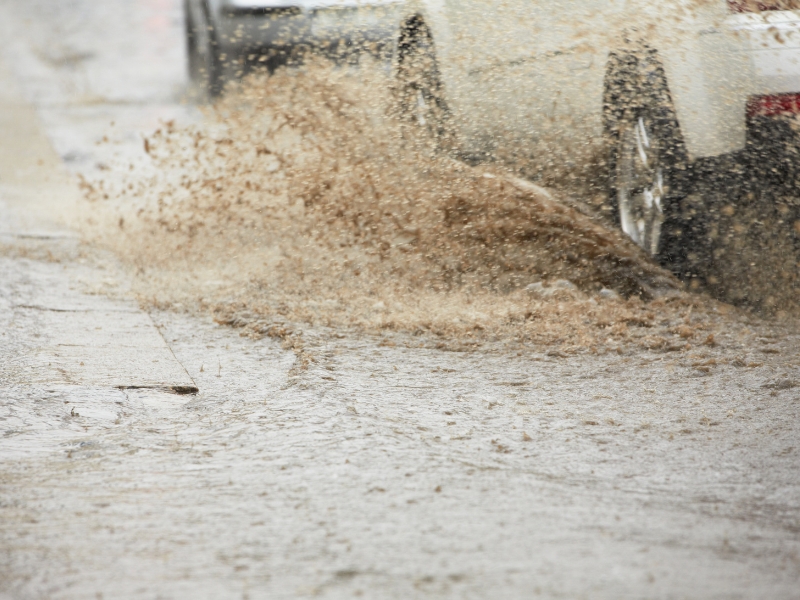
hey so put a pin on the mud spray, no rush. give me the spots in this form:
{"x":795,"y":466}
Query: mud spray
{"x":301,"y":200}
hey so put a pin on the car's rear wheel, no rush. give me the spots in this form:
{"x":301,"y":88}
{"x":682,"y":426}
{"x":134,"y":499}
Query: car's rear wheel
{"x":418,"y":87}
{"x":204,"y":60}
{"x":649,"y":192}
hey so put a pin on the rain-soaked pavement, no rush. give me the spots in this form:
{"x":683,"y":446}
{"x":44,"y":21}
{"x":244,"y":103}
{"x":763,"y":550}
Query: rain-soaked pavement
{"x":381,"y":471}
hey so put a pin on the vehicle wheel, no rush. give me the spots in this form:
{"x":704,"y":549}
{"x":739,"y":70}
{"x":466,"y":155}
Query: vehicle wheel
{"x":419,"y":91}
{"x":204,"y":62}
{"x":648,"y":190}
{"x":640,"y":187}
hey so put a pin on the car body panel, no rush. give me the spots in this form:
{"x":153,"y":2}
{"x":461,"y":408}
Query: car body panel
{"x":772,"y":40}
{"x":710,"y":79}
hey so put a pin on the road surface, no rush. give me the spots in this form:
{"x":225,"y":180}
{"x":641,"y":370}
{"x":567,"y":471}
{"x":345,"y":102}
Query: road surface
{"x":382,"y":470}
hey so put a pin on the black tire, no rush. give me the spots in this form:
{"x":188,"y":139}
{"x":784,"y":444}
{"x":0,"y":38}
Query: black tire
{"x":204,"y":62}
{"x":772,"y":162}
{"x":636,"y":91}
{"x":419,"y":92}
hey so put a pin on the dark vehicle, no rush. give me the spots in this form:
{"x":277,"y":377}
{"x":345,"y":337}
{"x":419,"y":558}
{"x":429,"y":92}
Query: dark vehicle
{"x":222,"y":34}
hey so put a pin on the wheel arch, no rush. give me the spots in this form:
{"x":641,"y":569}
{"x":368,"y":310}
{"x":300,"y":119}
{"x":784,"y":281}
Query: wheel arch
{"x":706,"y":90}
{"x":429,"y":12}
{"x":633,"y":73}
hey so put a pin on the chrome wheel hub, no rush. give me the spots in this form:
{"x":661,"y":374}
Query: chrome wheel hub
{"x":640,"y":185}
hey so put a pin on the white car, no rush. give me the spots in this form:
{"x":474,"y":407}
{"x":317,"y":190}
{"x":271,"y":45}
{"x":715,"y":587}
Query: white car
{"x":643,"y":89}
{"x":219,"y":33}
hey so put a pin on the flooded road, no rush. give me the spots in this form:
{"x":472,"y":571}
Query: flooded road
{"x":617,"y":449}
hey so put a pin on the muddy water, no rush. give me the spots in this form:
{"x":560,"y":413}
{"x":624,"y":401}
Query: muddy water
{"x":301,"y":199}
{"x":388,"y":472}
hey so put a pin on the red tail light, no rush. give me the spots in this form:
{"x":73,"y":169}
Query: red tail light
{"x":773,"y":106}
{"x":741,"y":6}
